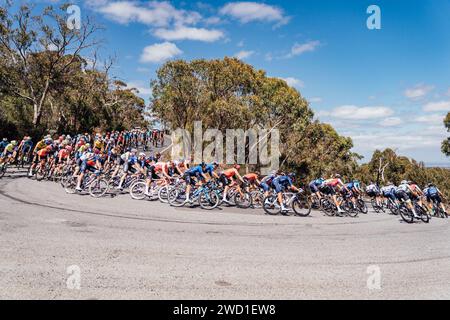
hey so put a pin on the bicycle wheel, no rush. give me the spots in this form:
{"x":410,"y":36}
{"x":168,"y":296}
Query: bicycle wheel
{"x":362,"y":207}
{"x":375,"y":207}
{"x":70,"y":185}
{"x":98,"y":188}
{"x":177,"y":197}
{"x":271,"y":205}
{"x":422,"y":214}
{"x":406,"y":214}
{"x":40,"y":174}
{"x":243,"y":201}
{"x":208,"y":200}
{"x":257,"y":199}
{"x":137,"y":190}
{"x":3,"y":168}
{"x":163,"y":194}
{"x":329,"y":208}
{"x":301,"y":207}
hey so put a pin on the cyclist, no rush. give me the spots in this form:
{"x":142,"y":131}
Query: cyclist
{"x":3,"y":144}
{"x":90,"y":161}
{"x":252,"y":180}
{"x":9,"y":152}
{"x":266,"y":183}
{"x":227,"y":177}
{"x":130,"y":165}
{"x":314,"y":187}
{"x":373,"y":191}
{"x":434,"y":195}
{"x":190,"y":177}
{"x":416,"y":193}
{"x":282,"y":183}
{"x":403,"y":192}
{"x":329,"y":187}
{"x":388,"y":192}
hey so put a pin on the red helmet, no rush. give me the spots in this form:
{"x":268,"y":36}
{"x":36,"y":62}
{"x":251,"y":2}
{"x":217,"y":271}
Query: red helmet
{"x":237,"y":167}
{"x":69,"y":148}
{"x":49,"y":148}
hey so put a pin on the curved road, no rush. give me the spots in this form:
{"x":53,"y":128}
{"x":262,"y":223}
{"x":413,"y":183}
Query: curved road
{"x":129,"y":249}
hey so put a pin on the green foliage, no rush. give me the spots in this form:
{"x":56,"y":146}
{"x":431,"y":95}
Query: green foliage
{"x":229,"y":94}
{"x":446,"y":143}
{"x":46,"y":84}
{"x":386,"y":166}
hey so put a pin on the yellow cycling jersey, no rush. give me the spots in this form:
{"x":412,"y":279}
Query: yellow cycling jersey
{"x":9,"y":148}
{"x":98,"y":144}
{"x":82,"y":149}
{"x":40,"y":145}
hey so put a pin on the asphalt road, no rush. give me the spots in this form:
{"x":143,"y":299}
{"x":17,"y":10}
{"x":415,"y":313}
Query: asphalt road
{"x":125,"y":249}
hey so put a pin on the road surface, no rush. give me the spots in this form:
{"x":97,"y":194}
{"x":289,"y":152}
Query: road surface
{"x":117,"y":248}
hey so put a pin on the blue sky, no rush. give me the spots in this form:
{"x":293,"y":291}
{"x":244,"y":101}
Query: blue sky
{"x":384,"y":88}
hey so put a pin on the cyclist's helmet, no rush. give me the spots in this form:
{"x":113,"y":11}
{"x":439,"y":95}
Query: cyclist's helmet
{"x":49,"y":148}
{"x":142,"y":155}
{"x":203,"y":164}
{"x":215,"y":164}
{"x":134,"y":151}
{"x":404,"y":182}
{"x":337,"y":176}
{"x":14,"y":143}
{"x":5,"y":139}
{"x":237,"y":167}
{"x":48,"y":141}
{"x":430,"y":185}
{"x":69,"y":148}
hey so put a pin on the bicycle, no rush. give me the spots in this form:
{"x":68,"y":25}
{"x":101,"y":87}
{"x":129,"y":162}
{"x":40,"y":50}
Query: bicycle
{"x":295,"y":203}
{"x":408,"y":215}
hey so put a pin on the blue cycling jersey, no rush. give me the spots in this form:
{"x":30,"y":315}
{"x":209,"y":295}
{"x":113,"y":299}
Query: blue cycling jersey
{"x":195,"y":171}
{"x":132,"y":160}
{"x":209,"y":169}
{"x":284,"y":181}
{"x":432,"y":191}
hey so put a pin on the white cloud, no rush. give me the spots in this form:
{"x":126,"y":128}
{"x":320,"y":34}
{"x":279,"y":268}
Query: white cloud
{"x":391,"y":122}
{"x":300,"y":48}
{"x":358,"y":113}
{"x":315,"y":100}
{"x":418,"y":91}
{"x":213,"y":20}
{"x":154,"y":13}
{"x":160,"y":52}
{"x":437,"y":106}
{"x":139,"y":86}
{"x":432,"y":118}
{"x":294,"y":82}
{"x":189,"y":33}
{"x":241,"y":55}
{"x":253,"y":11}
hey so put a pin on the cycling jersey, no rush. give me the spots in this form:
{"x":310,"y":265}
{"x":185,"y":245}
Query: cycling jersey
{"x":198,"y":170}
{"x":63,"y":154}
{"x":43,"y":152}
{"x":3,"y":144}
{"x":9,"y":149}
{"x":40,"y":145}
{"x":281,"y":182}
{"x":251,"y":177}
{"x":333,"y":182}
{"x":230,"y":173}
